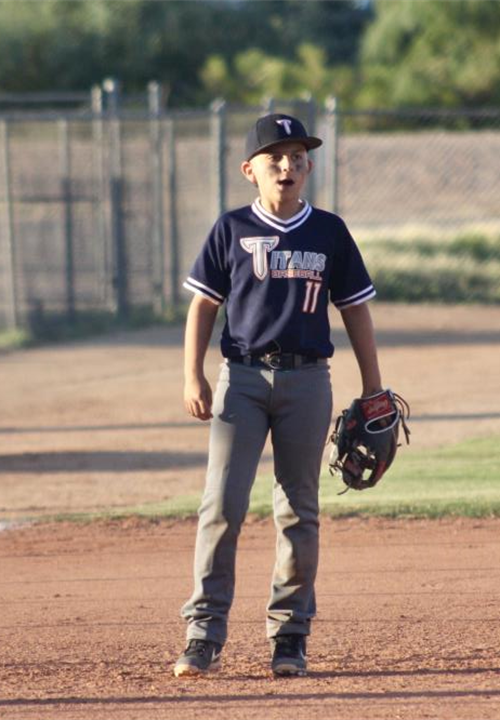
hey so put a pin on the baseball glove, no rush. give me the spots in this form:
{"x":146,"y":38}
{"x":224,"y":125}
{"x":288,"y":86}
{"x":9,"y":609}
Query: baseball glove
{"x":365,"y":438}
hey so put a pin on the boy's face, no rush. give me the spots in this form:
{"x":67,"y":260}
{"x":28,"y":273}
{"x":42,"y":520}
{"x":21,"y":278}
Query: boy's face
{"x":280,"y":172}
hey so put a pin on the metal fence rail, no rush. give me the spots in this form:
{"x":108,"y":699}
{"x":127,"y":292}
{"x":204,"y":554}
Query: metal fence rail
{"x":106,"y":209}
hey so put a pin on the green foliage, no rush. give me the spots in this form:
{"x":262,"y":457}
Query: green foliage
{"x":13,"y":339}
{"x":463,"y":269}
{"x":45,"y":328}
{"x":407,"y":53}
{"x":422,"y":285}
{"x":60,"y":45}
{"x":335,"y":27}
{"x":253,"y":75}
{"x":476,"y":247}
{"x":51,"y":45}
{"x":443,"y":54}
{"x":72,"y":45}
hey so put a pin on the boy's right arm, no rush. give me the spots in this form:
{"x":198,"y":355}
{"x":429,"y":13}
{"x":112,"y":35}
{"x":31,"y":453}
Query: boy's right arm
{"x":199,"y":326}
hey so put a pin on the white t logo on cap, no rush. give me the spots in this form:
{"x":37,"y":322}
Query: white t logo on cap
{"x":287,"y":124}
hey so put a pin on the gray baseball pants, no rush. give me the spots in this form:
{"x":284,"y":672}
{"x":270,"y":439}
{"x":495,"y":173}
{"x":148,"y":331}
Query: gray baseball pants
{"x":295,"y":406}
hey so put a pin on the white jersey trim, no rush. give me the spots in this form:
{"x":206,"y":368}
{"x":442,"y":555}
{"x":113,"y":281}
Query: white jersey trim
{"x":359,"y":297}
{"x":276,"y":222}
{"x":198,"y":288}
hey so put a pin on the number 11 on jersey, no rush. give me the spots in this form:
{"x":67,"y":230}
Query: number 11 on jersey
{"x":311,"y":298}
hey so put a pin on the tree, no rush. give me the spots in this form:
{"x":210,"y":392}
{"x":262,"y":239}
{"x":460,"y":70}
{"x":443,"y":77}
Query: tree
{"x":51,"y":45}
{"x":57,"y":45}
{"x":334,"y":27}
{"x":61,"y":45}
{"x":254,"y":75}
{"x":431,"y":54}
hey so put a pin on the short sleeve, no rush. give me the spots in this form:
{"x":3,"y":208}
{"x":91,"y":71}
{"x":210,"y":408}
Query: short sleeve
{"x":350,"y":283}
{"x":209,"y":275}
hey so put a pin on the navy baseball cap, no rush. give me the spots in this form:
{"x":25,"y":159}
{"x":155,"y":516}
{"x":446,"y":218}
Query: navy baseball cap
{"x":273,"y":129}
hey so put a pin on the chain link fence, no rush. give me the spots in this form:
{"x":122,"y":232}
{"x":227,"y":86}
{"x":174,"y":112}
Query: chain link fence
{"x":104,"y":210}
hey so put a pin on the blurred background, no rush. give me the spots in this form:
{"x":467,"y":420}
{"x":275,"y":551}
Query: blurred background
{"x":122,"y":127}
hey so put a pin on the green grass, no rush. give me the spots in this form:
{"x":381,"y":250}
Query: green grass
{"x":181,"y":507}
{"x":13,"y":339}
{"x":463,"y":268}
{"x":460,"y":269}
{"x":46,"y":328}
{"x":460,"y":480}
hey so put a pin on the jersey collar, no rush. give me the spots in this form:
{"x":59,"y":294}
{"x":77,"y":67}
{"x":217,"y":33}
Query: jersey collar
{"x":276,"y":222}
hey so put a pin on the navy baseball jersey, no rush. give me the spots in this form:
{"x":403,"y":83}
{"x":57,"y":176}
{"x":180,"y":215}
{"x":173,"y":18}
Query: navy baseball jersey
{"x":277,"y":278}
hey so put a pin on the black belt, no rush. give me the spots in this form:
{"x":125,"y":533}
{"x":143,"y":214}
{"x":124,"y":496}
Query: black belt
{"x":277,"y":361}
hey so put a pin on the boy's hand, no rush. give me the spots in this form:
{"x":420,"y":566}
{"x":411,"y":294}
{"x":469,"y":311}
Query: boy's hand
{"x":198,"y":398}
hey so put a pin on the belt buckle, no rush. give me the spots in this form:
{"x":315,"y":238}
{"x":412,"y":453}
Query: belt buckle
{"x":272,"y":360}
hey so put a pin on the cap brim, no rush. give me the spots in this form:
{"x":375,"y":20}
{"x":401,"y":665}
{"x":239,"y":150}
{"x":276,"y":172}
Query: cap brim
{"x":310,"y":143}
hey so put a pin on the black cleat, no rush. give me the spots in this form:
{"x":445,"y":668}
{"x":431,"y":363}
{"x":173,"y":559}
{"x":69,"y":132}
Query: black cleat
{"x":200,"y":656}
{"x":289,"y":657}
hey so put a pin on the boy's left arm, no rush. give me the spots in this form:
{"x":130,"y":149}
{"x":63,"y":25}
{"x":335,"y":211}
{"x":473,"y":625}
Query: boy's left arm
{"x":359,"y":326}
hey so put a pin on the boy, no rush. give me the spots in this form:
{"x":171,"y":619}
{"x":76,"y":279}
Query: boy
{"x":276,"y":264}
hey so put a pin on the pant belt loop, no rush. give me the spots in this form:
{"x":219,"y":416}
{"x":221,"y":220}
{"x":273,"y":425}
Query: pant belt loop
{"x":247,"y":360}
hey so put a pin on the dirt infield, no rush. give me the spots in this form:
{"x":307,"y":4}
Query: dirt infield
{"x":408,"y":611}
{"x":408,"y":624}
{"x":102,"y":424}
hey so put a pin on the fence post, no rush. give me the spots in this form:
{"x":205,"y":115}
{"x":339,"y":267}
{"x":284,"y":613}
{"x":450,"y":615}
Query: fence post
{"x":69,"y":264}
{"x":311,"y":129}
{"x":269,"y":105}
{"x":11,"y":293}
{"x":102,"y":251}
{"x":120,"y":259}
{"x":218,"y":127}
{"x":332,"y":126}
{"x":173,"y":226}
{"x":155,"y":112}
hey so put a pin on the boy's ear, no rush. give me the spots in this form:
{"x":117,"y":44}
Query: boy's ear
{"x":247,"y":170}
